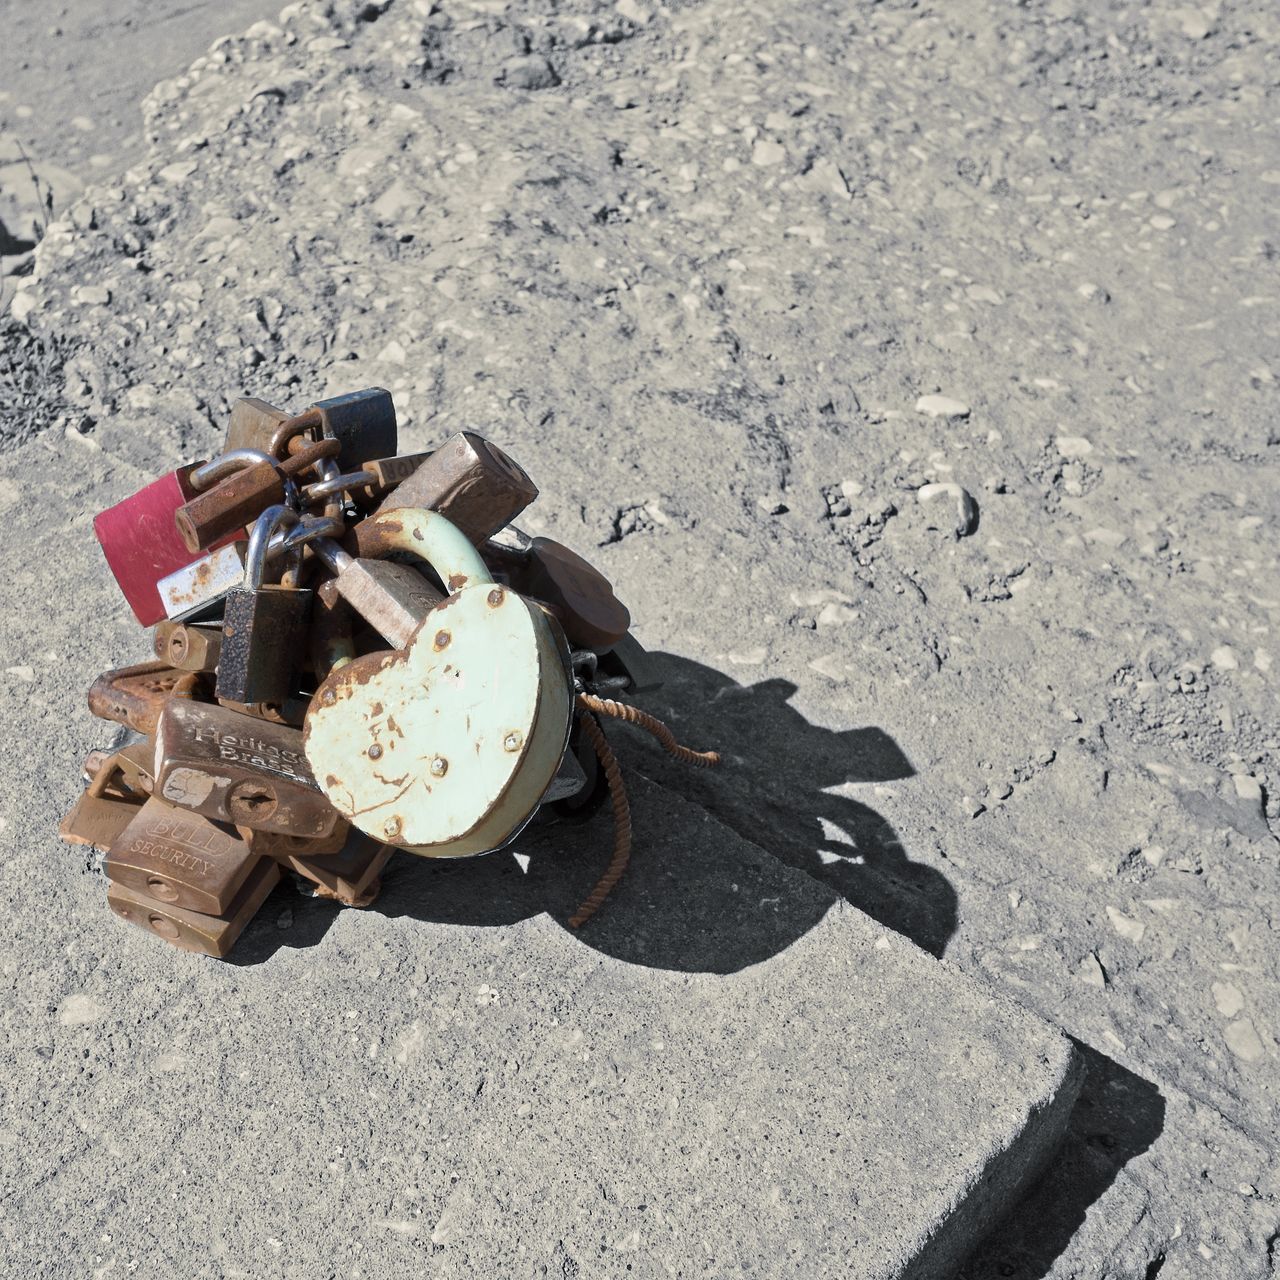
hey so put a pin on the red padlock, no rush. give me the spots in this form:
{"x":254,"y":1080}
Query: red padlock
{"x":142,"y":544}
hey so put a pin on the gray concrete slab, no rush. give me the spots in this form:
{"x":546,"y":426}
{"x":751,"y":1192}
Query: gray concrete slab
{"x":730,"y":1071}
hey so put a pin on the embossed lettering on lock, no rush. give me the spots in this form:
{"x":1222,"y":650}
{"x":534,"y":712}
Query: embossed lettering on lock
{"x":180,"y":858}
{"x":194,"y":930}
{"x":235,"y":768}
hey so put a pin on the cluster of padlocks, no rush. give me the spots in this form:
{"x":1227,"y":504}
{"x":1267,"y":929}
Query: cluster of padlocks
{"x":355,"y":652}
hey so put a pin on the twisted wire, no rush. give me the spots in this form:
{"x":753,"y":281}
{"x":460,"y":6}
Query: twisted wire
{"x":621,"y":819}
{"x":666,"y":739}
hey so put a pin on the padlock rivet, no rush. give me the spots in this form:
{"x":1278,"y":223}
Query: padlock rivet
{"x":496,"y":597}
{"x":391,"y":827}
{"x":442,"y":640}
{"x":511,"y":742}
{"x":439,"y":767}
{"x":328,"y":697}
{"x":375,"y":751}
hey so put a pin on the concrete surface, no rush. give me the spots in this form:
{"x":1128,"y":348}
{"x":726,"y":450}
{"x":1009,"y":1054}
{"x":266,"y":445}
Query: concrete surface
{"x":779,"y":1087}
{"x":708,"y":283}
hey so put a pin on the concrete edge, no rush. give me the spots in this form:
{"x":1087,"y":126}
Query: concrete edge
{"x":1007,"y":1175}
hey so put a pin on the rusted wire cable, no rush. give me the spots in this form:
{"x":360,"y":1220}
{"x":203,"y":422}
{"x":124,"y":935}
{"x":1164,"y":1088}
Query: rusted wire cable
{"x":667,"y":739}
{"x":621,"y":820}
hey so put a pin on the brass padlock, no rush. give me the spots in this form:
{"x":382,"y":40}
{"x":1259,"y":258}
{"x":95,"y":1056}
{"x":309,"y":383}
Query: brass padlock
{"x":446,"y":748}
{"x":234,"y":768}
{"x":104,"y":809}
{"x":281,"y":845}
{"x":187,"y":647}
{"x":349,"y":875}
{"x":180,"y":858}
{"x":193,"y":930}
{"x":469,"y":481}
{"x":132,"y":777}
{"x":264,"y":625}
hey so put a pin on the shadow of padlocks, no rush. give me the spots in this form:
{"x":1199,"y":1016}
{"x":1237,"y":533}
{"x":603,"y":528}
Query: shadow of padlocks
{"x":690,"y":900}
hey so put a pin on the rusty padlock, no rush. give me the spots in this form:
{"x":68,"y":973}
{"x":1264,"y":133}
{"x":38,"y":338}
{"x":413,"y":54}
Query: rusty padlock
{"x":368,"y":486}
{"x":243,"y":496}
{"x":392,"y":598}
{"x":135,"y":695}
{"x":469,"y":481}
{"x":193,"y":930}
{"x":234,"y":768}
{"x":134,"y":764}
{"x":446,"y":748}
{"x":180,"y":858}
{"x":263,"y":628}
{"x":252,"y":424}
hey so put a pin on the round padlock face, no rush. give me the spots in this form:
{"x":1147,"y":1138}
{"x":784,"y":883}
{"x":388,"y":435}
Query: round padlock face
{"x":420,"y":748}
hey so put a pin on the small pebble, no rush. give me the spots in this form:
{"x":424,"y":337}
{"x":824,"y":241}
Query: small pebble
{"x":1243,"y":1040}
{"x":942,"y":407}
{"x":529,"y":73}
{"x":1072,"y":447}
{"x":91,"y":295}
{"x":1224,"y":658}
{"x":1090,"y":970}
{"x":1228,"y":999}
{"x":766,"y":152}
{"x":1126,"y":926}
{"x":966,"y":506}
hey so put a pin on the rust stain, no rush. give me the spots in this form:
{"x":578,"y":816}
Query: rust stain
{"x":457,"y":581}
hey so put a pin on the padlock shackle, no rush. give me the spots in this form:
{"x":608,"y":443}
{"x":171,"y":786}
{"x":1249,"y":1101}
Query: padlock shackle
{"x":429,"y":536}
{"x":209,"y":473}
{"x":291,"y":427}
{"x":255,"y":561}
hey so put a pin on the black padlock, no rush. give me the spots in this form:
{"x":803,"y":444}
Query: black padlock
{"x":264,"y":627}
{"x":363,"y":423}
